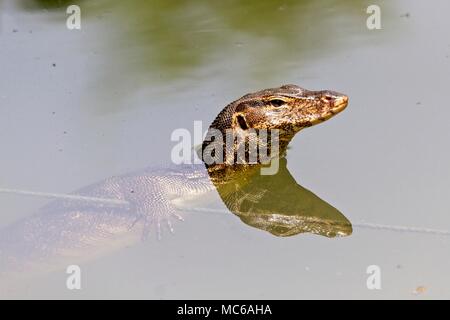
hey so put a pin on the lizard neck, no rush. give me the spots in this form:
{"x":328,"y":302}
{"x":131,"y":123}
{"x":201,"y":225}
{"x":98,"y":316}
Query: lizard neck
{"x":227,"y":149}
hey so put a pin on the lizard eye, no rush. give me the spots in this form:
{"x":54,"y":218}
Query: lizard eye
{"x":277,"y":102}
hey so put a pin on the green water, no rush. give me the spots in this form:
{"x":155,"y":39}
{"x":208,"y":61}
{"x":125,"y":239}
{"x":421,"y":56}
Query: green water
{"x":77,"y":106}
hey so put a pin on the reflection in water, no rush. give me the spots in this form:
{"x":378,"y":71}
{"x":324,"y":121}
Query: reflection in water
{"x":277,"y":204}
{"x":72,"y":232}
{"x":166,"y":39}
{"x":75,"y":231}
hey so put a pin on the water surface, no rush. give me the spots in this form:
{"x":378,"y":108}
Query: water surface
{"x":79,"y":106}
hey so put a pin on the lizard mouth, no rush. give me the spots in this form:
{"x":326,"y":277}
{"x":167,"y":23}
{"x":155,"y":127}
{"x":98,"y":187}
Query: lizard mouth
{"x":339,"y":104}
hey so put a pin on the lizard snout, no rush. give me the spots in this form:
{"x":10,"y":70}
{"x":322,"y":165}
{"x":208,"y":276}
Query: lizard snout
{"x":337,"y":101}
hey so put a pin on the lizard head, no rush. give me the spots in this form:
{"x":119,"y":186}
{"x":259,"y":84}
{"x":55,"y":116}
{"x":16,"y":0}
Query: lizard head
{"x":287,"y":109}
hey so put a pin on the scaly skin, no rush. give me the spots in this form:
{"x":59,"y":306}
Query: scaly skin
{"x":66,"y":229}
{"x":287,"y":109}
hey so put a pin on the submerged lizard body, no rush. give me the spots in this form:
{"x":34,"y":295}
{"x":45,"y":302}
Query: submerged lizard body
{"x":66,"y":229}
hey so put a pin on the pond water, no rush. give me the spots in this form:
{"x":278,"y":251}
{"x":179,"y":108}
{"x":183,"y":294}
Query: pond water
{"x":78,"y":106}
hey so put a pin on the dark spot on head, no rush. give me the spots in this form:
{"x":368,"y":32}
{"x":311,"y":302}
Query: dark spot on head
{"x":241,"y":107}
{"x":242,"y":122}
{"x":289,"y":86}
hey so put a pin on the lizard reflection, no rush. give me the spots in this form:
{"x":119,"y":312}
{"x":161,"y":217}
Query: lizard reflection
{"x":277,"y":204}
